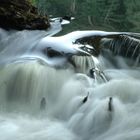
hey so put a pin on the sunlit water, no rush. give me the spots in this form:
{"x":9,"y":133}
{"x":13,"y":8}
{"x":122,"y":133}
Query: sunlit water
{"x":43,"y":102}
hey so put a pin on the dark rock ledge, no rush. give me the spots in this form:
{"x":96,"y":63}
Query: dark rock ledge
{"x":21,"y":14}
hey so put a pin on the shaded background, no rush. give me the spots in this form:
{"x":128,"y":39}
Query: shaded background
{"x":110,"y":15}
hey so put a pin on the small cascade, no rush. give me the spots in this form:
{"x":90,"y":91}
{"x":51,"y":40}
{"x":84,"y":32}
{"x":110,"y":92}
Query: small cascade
{"x":27,"y":83}
{"x":126,"y":46}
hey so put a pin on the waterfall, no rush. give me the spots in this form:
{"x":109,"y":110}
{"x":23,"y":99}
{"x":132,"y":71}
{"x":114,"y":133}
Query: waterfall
{"x":99,"y":99}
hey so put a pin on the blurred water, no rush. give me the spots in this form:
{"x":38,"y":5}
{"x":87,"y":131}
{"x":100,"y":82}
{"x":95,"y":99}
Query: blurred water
{"x":75,"y":106}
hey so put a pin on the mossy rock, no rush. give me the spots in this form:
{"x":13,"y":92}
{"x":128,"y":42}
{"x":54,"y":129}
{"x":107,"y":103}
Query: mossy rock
{"x":21,"y":14}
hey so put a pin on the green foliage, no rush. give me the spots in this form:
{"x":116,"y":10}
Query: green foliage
{"x":119,"y":15}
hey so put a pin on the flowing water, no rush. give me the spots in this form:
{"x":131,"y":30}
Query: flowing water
{"x":39,"y":101}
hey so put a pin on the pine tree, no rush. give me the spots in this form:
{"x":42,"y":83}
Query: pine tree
{"x":113,"y":13}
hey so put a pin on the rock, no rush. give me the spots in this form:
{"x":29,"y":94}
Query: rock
{"x":43,"y":103}
{"x":93,"y":41}
{"x":21,"y":14}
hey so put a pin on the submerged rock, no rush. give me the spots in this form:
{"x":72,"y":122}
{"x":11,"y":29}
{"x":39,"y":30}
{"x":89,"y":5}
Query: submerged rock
{"x":43,"y":103}
{"x":110,"y":104}
{"x":19,"y":15}
{"x":85,"y":98}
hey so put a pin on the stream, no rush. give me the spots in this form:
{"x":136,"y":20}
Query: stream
{"x":53,"y":97}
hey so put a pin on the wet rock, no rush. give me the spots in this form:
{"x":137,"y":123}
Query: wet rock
{"x":21,"y":14}
{"x":110,"y":104}
{"x":94,"y":42}
{"x":85,"y":98}
{"x":43,"y":103}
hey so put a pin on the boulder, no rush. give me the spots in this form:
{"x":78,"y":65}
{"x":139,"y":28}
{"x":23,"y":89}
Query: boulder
{"x":21,"y":14}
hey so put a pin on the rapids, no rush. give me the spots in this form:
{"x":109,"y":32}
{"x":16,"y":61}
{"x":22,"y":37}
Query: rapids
{"x":40,"y":101}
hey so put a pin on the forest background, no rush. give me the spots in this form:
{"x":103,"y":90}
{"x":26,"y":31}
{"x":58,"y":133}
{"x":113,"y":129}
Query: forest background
{"x":109,"y":15}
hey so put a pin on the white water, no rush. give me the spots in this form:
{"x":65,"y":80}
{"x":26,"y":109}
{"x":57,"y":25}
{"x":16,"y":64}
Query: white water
{"x":24,"y":83}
